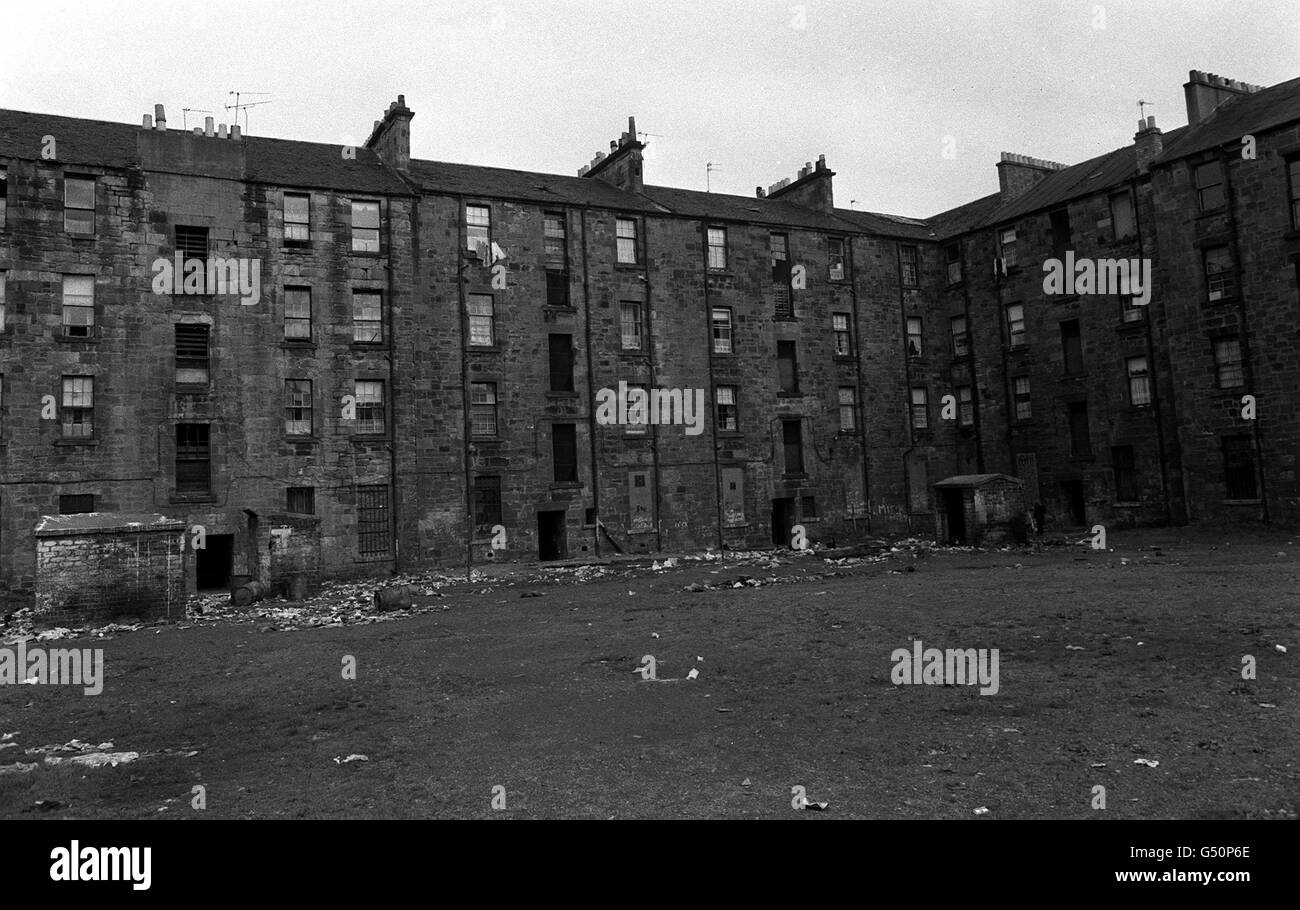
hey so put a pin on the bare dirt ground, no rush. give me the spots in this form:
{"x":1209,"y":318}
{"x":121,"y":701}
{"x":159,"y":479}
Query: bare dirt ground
{"x":527,"y":683}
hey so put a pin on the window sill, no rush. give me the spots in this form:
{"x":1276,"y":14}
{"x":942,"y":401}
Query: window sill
{"x":77,"y":339}
{"x":1018,"y":349}
{"x":180,"y":499}
{"x":485,"y":349}
{"x":1027,"y":422}
{"x":368,"y":254}
{"x":1127,"y":504}
{"x":796,"y":475}
{"x":1131,"y":325}
{"x":295,"y":246}
{"x":561,"y":396}
{"x":1217,"y":212}
{"x":373,"y":559}
{"x":1069,"y":377}
{"x":566,"y":309}
{"x":362,"y":346}
{"x":1242,"y":502}
{"x":633,"y":354}
{"x":789,"y":394}
{"x":629,"y":267}
{"x":485,"y":440}
{"x":308,"y":347}
{"x":363,"y":438}
{"x":729,"y":434}
{"x":301,"y":440}
{"x":843,"y":358}
{"x":87,"y":441}
{"x":187,"y":388}
{"x":566,"y":485}
{"x":783,"y":318}
{"x":721,"y":273}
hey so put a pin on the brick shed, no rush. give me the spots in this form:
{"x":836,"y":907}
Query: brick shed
{"x":106,"y":567}
{"x":977,"y":509}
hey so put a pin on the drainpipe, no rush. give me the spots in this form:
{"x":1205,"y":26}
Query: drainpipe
{"x":1225,"y":157}
{"x":855,"y":339}
{"x":467,"y":423}
{"x":654,"y":427}
{"x":713,"y":397}
{"x":394,"y":525}
{"x":970,"y":358}
{"x":591,"y":379}
{"x":1157,"y":410}
{"x":907,"y":375}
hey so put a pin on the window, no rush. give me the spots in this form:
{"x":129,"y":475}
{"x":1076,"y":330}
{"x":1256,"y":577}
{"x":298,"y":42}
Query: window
{"x":630,"y":325}
{"x":638,"y":414}
{"x":297,"y":314}
{"x":1016,"y":324}
{"x":79,"y":205}
{"x":1209,"y":186}
{"x":835,"y":256}
{"x":193,"y":458}
{"x":76,"y":503}
{"x":807,"y":507}
{"x":561,"y":362}
{"x":191,"y":341}
{"x":1080,"y":434}
{"x":78,"y":306}
{"x":192,"y":244}
{"x":300,"y":500}
{"x":1071,"y":347}
{"x":1139,"y":381}
{"x":2,"y":301}
{"x":1007,"y":247}
{"x":965,"y":406}
{"x":1219,"y":279}
{"x":1060,"y":222}
{"x":297,"y":407}
{"x":4,"y":195}
{"x":1020,"y":392}
{"x":1292,"y":176}
{"x":728,"y":413}
{"x":625,"y":239}
{"x":482,"y":322}
{"x":915,"y":336}
{"x":792,"y":443}
{"x":483,"y":408}
{"x":365,"y":226}
{"x":1125,"y":474}
{"x":372,"y":521}
{"x":1228,"y":370}
{"x":910,"y":259}
{"x":717,"y":248}
{"x":960,"y":339}
{"x":787,"y":367}
{"x":564,"y":452}
{"x":848,"y":408}
{"x":487,"y":504}
{"x":1132,"y":311}
{"x":953,"y":252}
{"x":478,"y":230}
{"x":555,"y":246}
{"x":779,"y":255}
{"x":557,"y":289}
{"x":1121,"y":215}
{"x":843,"y":335}
{"x":721,"y":330}
{"x":1239,"y":467}
{"x":367,"y":317}
{"x":78,"y":411}
{"x":920,"y":408}
{"x":297,"y":220}
{"x":370,"y":406}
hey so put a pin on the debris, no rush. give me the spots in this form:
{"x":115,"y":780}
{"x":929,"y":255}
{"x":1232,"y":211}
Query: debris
{"x":94,"y":759}
{"x":353,"y":757}
{"x":1265,"y":704}
{"x":814,"y":807}
{"x":982,"y":810}
{"x":1145,"y":761}
{"x":694,"y":587}
{"x":745,"y":782}
{"x":48,"y":805}
{"x":1073,"y":648}
{"x":1098,"y":764}
{"x":523,"y":594}
{"x":654,"y":634}
{"x":693,"y":674}
{"x":1281,"y":648}
{"x":19,"y":768}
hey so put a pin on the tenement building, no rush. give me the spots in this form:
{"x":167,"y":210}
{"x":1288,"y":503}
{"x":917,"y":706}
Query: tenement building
{"x":229,"y":357}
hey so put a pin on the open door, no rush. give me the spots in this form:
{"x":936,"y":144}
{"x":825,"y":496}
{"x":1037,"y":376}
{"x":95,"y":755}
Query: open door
{"x":551,"y":542}
{"x":782,"y":520}
{"x":954,"y":504}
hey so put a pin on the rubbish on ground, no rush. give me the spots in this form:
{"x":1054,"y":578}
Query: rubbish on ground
{"x":1145,"y":761}
{"x":982,"y":810}
{"x":353,"y":757}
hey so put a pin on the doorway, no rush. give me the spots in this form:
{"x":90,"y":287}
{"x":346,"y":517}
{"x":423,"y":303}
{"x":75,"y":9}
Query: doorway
{"x":954,"y":504}
{"x":782,"y":520}
{"x":550,"y":535}
{"x":212,"y":563}
{"x":1073,"y":490}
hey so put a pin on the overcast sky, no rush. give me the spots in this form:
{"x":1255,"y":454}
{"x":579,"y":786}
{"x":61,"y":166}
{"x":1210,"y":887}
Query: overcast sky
{"x":758,"y":87}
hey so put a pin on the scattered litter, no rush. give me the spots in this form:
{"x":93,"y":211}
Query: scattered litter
{"x":723,"y":710}
{"x":1098,"y":764}
{"x":654,"y":634}
{"x":1073,"y":648}
{"x":693,"y":674}
{"x":48,"y":805}
{"x":353,"y":757}
{"x":19,"y":768}
{"x":814,"y":807}
{"x":982,"y":810}
{"x":1281,"y":648}
{"x":8,"y":736}
{"x":1145,"y":761}
{"x":1265,"y":704}
{"x":1239,"y":780}
{"x":94,"y":759}
{"x":745,"y":782}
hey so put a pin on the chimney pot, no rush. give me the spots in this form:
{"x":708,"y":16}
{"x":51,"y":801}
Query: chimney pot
{"x":234,"y":131}
{"x":148,"y":122}
{"x":221,"y":131}
{"x":208,"y":128}
{"x":401,"y":101}
{"x":613,"y":146}
{"x":758,"y":192}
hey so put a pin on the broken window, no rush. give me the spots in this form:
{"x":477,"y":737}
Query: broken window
{"x":843,"y":335}
{"x":367,"y":317}
{"x":728,"y":412}
{"x":79,"y":306}
{"x":297,"y":407}
{"x":721,"y":330}
{"x":564,"y":452}
{"x":78,"y":407}
{"x":561,"y":362}
{"x":487,"y":504}
{"x":1239,"y":467}
{"x":787,"y":360}
{"x":478,"y":230}
{"x":369,"y":394}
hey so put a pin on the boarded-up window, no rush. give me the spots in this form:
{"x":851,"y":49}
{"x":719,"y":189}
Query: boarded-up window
{"x":918,"y":483}
{"x":300,"y":500}
{"x":1080,"y":433}
{"x":1125,"y":471}
{"x":640,"y":501}
{"x":733,"y":496}
{"x":561,"y":361}
{"x":1071,"y":347}
{"x":787,"y":361}
{"x":76,"y":503}
{"x":1239,"y":467}
{"x":487,"y":503}
{"x":1027,"y":471}
{"x":792,"y":442}
{"x":564,"y":452}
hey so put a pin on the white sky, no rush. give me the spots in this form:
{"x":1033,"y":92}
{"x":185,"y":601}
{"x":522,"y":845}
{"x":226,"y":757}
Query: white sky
{"x":543,"y":85}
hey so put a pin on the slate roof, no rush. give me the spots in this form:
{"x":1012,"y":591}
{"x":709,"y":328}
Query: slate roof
{"x":530,"y":186}
{"x":975,"y":480}
{"x":284,"y":162}
{"x":695,"y":204}
{"x":90,"y":522}
{"x":1264,"y":110}
{"x":965,"y":217}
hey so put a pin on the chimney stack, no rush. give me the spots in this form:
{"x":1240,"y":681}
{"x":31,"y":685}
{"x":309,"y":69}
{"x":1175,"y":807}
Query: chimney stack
{"x":1149,"y":142}
{"x":160,"y":117}
{"x":391,"y":137}
{"x":622,"y":167}
{"x":812,"y":189}
{"x":1018,"y":173}
{"x":1207,"y":92}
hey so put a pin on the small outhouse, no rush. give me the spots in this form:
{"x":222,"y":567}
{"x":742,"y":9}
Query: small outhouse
{"x":980,"y":509}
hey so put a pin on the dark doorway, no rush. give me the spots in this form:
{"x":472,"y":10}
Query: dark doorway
{"x":782,"y":520}
{"x":550,"y":535}
{"x":212,"y":563}
{"x":954,"y":504}
{"x":1073,"y":490}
